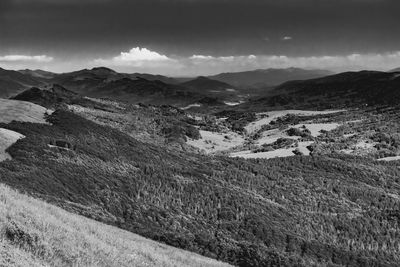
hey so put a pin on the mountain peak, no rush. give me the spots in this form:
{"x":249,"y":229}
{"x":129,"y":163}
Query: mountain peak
{"x":102,"y":70}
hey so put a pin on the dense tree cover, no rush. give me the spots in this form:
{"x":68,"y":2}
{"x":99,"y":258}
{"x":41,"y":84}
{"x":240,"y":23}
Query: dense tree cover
{"x":299,"y":211}
{"x":55,"y":97}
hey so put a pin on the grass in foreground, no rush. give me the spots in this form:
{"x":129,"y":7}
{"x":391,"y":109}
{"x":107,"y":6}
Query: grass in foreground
{"x":34,"y":233}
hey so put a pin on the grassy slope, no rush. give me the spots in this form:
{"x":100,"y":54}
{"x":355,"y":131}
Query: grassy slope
{"x":21,"y":111}
{"x":288,"y":212}
{"x":34,"y":233}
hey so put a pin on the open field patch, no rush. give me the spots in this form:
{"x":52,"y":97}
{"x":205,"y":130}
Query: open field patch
{"x":211,"y":142}
{"x":15,"y":110}
{"x":268,"y":117}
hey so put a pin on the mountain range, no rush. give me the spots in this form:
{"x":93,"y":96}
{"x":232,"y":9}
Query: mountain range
{"x":267,"y":77}
{"x":94,"y":82}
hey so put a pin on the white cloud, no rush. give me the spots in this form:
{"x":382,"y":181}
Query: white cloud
{"x":24,"y":58}
{"x":141,"y":60}
{"x":201,"y":57}
{"x":287,"y":38}
{"x":137,"y":57}
{"x":140,"y":54}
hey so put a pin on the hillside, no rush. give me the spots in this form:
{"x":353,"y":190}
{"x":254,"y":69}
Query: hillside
{"x":204,"y":84}
{"x":82,"y":81}
{"x":39,"y":74}
{"x":11,"y":110}
{"x":145,"y":91}
{"x":55,"y":96}
{"x":13,"y":82}
{"x":214,"y":89}
{"x":34,"y":233}
{"x":134,"y":88}
{"x":349,"y":89}
{"x":267,"y":77}
{"x":152,"y":77}
{"x":333,"y":210}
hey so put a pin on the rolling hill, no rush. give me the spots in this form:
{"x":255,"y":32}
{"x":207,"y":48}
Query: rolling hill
{"x":55,"y":96}
{"x":15,"y":110}
{"x":83,"y":81}
{"x":145,"y":91}
{"x":267,"y":77}
{"x":39,"y":74}
{"x":206,"y":85}
{"x":13,"y":82}
{"x":152,"y":77}
{"x":349,"y":89}
{"x":220,"y":91}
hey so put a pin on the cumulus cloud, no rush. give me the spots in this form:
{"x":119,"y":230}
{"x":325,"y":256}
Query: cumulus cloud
{"x":137,"y":57}
{"x":201,"y":57}
{"x":287,"y":38}
{"x":25,"y":58}
{"x":139,"y":54}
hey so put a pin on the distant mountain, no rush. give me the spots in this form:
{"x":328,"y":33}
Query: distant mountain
{"x":203,"y":84}
{"x":395,"y":70}
{"x":267,"y":77}
{"x":13,"y":82}
{"x":340,"y":90}
{"x":85,"y":80}
{"x":38,"y":74}
{"x":152,"y":77}
{"x":53,"y":97}
{"x":134,"y":88}
{"x":219,"y":91}
{"x":145,"y":91}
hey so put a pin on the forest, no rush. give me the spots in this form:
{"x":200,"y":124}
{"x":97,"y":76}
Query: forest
{"x":329,"y":210}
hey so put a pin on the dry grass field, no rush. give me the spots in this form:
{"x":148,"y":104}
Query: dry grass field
{"x":34,"y":233}
{"x":21,"y":111}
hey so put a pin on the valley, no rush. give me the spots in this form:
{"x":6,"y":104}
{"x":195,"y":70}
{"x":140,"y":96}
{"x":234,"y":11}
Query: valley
{"x":199,"y":133}
{"x":274,"y":186}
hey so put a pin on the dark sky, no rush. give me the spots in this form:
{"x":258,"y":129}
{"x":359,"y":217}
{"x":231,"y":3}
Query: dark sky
{"x":81,"y":33}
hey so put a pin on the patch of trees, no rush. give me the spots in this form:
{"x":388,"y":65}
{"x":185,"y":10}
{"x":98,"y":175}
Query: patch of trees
{"x":237,"y":120}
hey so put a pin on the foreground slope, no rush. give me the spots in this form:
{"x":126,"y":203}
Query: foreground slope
{"x":34,"y":233}
{"x":332,"y":210}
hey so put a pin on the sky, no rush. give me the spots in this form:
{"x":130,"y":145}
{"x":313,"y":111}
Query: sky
{"x":199,"y":37}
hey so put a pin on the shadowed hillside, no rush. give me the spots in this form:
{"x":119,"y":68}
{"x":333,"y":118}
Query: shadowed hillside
{"x":349,"y":89}
{"x":13,"y":82}
{"x":55,"y":97}
{"x":267,"y":77}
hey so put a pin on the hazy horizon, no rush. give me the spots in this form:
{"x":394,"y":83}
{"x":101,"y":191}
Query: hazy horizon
{"x":199,"y":37}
